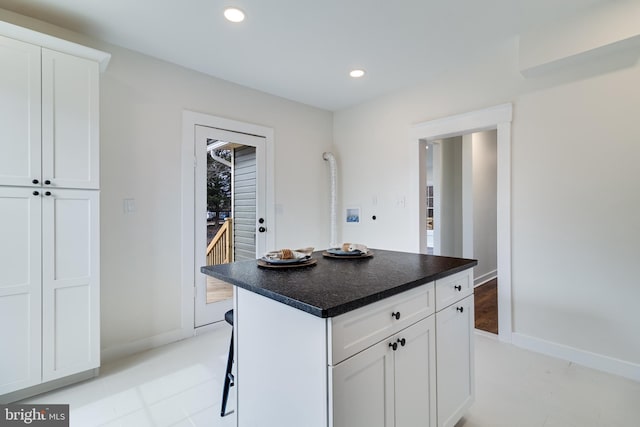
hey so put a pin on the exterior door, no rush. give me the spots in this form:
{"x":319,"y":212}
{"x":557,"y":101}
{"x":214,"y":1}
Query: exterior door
{"x":208,"y":309}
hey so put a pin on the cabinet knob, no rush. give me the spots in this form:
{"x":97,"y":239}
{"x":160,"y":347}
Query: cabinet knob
{"x":396,"y":314}
{"x":393,"y":345}
{"x":460,"y":309}
{"x":47,"y":193}
{"x":35,"y":181}
{"x":402,"y":341}
{"x":262,"y":229}
{"x":457,"y":287}
{"x":47,"y":182}
{"x":36,"y":193}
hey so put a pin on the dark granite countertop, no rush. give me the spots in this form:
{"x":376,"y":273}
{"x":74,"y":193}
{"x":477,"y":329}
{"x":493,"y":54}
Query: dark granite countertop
{"x":336,"y":286}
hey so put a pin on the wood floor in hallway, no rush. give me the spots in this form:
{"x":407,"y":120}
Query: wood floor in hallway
{"x":486,"y":306}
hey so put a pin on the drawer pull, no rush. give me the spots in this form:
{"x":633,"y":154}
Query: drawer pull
{"x":396,"y":314}
{"x":393,"y":345}
{"x":458,"y":288}
{"x":402,"y":341}
{"x":460,"y":309}
{"x":35,"y":181}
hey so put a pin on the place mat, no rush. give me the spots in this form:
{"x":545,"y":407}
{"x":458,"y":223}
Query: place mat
{"x":330,"y":255}
{"x":306,"y":263}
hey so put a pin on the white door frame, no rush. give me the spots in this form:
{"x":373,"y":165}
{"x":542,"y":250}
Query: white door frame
{"x":190,"y":120}
{"x":498,"y":117}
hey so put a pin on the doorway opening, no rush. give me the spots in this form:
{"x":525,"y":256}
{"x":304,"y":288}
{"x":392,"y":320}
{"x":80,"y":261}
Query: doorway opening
{"x":461,"y":210}
{"x":431,"y":134}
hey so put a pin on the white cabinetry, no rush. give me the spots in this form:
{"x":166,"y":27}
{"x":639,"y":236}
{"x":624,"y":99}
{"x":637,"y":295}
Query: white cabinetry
{"x":20,"y":288}
{"x":20,"y":112}
{"x":363,"y":389}
{"x":49,"y":200}
{"x":48,"y":117}
{"x":392,"y":383}
{"x":70,"y":135}
{"x":403,"y":361}
{"x":455,"y":347}
{"x":70,"y":282}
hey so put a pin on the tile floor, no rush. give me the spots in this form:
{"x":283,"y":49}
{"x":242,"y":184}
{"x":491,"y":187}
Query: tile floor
{"x":180,"y":385}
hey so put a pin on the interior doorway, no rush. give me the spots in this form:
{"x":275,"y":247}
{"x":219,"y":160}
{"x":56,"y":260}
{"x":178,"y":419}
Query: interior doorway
{"x":461,"y":211}
{"x":498,"y":118}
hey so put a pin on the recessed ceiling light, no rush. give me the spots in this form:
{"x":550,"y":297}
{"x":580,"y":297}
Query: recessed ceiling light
{"x":357,"y":73}
{"x":234,"y":14}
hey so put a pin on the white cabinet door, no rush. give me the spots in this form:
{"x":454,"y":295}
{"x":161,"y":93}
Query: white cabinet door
{"x":19,"y":288}
{"x":415,"y":375}
{"x":363,"y":389}
{"x":70,"y":282}
{"x":356,"y":330}
{"x":19,"y":112}
{"x":455,"y":361}
{"x":70,"y":117}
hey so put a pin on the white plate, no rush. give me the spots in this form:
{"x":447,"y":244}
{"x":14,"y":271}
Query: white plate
{"x":285,"y":261}
{"x":340,"y":252}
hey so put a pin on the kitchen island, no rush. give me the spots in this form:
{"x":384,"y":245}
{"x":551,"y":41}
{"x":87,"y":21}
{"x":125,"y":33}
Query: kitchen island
{"x":380,"y":341}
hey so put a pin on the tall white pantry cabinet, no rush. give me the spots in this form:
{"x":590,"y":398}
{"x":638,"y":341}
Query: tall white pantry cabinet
{"x":49,"y":212}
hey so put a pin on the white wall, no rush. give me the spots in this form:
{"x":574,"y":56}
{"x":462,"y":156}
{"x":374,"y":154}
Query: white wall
{"x":141,"y":117}
{"x":484,"y":171}
{"x":574,"y":176}
{"x":574,"y":196}
{"x":451,"y":220}
{"x":142,"y":100}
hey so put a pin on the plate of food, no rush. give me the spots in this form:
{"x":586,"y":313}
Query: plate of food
{"x":287,"y":256}
{"x":348,"y":250}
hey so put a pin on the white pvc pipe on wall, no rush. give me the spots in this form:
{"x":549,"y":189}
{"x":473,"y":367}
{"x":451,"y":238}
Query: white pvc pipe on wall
{"x":334,"y":197}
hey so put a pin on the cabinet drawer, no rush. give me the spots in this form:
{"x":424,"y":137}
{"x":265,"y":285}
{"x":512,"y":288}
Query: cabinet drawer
{"x":453,"y":288}
{"x":356,"y":330}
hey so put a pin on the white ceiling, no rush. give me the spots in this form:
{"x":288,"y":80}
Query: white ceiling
{"x":302,"y":49}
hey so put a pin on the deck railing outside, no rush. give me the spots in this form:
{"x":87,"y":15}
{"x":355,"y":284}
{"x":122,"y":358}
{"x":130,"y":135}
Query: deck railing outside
{"x":220,"y":250}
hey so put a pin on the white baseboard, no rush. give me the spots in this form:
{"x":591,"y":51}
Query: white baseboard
{"x":210,"y":327}
{"x":486,"y":334}
{"x":127,"y":349}
{"x":48,"y":386}
{"x":484,"y":278}
{"x":581,"y":357}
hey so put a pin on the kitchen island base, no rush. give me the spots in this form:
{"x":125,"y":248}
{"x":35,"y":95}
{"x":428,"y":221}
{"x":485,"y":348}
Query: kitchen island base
{"x":362,"y":368}
{"x":381,"y":341}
